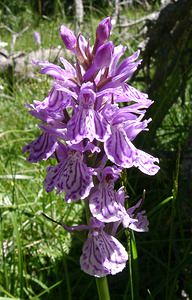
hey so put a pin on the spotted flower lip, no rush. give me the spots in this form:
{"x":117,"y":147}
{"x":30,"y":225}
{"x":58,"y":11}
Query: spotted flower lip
{"x":104,"y":201}
{"x":102,"y":254}
{"x":89,"y":121}
{"x":41,"y":148}
{"x":71,"y":176}
{"x":106,"y":204}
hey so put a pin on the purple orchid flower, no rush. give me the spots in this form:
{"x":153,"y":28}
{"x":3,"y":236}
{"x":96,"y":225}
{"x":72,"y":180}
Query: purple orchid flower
{"x":104,"y":202}
{"x":89,"y":121}
{"x":102,"y":254}
{"x":71,"y":176}
{"x":86,"y":122}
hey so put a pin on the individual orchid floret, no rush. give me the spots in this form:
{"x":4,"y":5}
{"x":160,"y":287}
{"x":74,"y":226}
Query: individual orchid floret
{"x":119,"y":147}
{"x":121,"y":151}
{"x":71,"y":176}
{"x":86,"y":122}
{"x":68,"y":37}
{"x":104,"y":202}
{"x":41,"y":148}
{"x":102,"y":254}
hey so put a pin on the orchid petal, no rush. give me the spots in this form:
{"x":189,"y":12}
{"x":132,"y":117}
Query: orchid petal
{"x":146,"y":163}
{"x":119,"y":149}
{"x":102,"y":254}
{"x":41,"y":148}
{"x":71,"y":176}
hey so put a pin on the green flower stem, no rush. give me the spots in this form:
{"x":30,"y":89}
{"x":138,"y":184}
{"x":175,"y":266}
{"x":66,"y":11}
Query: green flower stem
{"x":102,"y":288}
{"x":87,"y":210}
{"x":102,"y":284}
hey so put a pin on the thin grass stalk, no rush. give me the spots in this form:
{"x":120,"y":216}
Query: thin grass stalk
{"x":20,"y":253}
{"x":171,"y":233}
{"x":135,"y":268}
{"x":128,"y":234}
{"x":69,"y":292}
{"x":3,"y":259}
{"x":155,"y":209}
{"x":46,"y":291}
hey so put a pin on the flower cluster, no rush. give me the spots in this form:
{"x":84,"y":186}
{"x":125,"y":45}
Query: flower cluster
{"x":89,"y":130}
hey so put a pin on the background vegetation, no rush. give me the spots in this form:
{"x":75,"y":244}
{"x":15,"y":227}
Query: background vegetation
{"x":39,"y":260}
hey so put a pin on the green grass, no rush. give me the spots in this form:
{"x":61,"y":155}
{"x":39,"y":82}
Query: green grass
{"x":38,"y":259}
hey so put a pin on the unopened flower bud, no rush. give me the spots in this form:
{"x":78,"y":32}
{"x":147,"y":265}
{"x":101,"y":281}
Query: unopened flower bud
{"x":68,"y":37}
{"x":103,"y":30}
{"x":101,"y":60}
{"x":103,"y":55}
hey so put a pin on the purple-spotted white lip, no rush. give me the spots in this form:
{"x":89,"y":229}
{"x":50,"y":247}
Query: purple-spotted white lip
{"x":70,"y":176}
{"x":102,"y":255}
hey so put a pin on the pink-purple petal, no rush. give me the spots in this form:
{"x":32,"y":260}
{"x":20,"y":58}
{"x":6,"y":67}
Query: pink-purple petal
{"x":146,"y":163}
{"x":71,"y":176}
{"x":41,"y":148}
{"x":87,"y":123}
{"x":104,"y":204}
{"x":102,"y":255}
{"x":119,"y":149}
